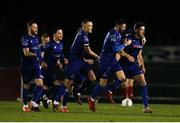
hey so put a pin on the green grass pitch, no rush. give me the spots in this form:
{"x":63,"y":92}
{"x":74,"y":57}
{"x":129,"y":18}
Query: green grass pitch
{"x":11,"y":111}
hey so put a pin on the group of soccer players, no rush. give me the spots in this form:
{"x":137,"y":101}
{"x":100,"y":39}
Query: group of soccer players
{"x":45,"y":63}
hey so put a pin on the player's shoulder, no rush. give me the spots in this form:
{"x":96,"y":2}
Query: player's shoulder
{"x":26,"y":36}
{"x":114,"y":32}
{"x":131,"y":36}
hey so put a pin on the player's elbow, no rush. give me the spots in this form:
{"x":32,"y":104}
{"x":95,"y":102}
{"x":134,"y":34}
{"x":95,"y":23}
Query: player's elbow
{"x":88,"y":51}
{"x":26,"y":54}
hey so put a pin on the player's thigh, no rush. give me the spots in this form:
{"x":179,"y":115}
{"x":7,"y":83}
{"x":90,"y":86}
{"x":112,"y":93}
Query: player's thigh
{"x":120,"y":75}
{"x":140,"y":78}
{"x":68,"y":82}
{"x":45,"y":87}
{"x":124,"y":83}
{"x":91,"y":75}
{"x":103,"y":82}
{"x":57,"y":82}
{"x":38,"y":81}
{"x":130,"y":82}
{"x":26,"y":85}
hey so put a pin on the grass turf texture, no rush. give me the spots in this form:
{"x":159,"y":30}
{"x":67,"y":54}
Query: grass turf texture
{"x":11,"y":111}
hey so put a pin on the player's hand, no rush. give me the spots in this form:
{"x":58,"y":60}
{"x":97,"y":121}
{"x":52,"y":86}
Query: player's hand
{"x":65,"y":61}
{"x":130,"y":58}
{"x":58,"y":64}
{"x":89,"y":61}
{"x":143,"y":69}
{"x":127,"y":42}
{"x":97,"y":58}
{"x":44,"y":65}
{"x":144,"y":40}
{"x":118,"y":56}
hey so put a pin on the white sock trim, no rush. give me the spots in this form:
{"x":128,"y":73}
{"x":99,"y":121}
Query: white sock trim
{"x":34,"y":104}
{"x":92,"y":99}
{"x":55,"y":102}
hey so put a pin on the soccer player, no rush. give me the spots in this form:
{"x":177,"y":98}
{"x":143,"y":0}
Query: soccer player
{"x":114,"y":86}
{"x":131,"y":68}
{"x":127,"y":86}
{"x":30,"y":67}
{"x":108,"y":64}
{"x":79,"y":47}
{"x":53,"y":53}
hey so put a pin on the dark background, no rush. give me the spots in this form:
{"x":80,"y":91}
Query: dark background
{"x":161,"y":18}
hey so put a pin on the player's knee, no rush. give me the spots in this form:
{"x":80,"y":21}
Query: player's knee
{"x":67,"y":83}
{"x":57,"y":82}
{"x":92,"y":78}
{"x":122,"y":79}
{"x":39,"y":82}
{"x":103,"y":82}
{"x":143,"y":83}
{"x":45,"y":87}
{"x":131,"y":81}
{"x":26,"y":86}
{"x":124,"y":84}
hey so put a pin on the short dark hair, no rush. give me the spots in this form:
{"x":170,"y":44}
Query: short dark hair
{"x":30,"y":23}
{"x":85,"y":21}
{"x":55,"y":29}
{"x":120,"y":21}
{"x":139,"y":24}
{"x":45,"y":35}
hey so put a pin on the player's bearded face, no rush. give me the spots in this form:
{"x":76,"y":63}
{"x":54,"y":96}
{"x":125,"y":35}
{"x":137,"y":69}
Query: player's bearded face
{"x":141,"y":31}
{"x":34,"y":29}
{"x":122,"y":27}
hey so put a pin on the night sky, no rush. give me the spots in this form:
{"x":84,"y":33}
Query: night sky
{"x":161,"y":17}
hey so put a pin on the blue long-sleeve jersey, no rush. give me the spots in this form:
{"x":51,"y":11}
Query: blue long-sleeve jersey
{"x":112,"y":44}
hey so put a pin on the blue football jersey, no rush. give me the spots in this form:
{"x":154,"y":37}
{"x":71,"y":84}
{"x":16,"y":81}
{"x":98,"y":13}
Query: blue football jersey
{"x":112,"y":44}
{"x":133,"y":49}
{"x":52,"y":52}
{"x":30,"y":42}
{"x":77,"y":48}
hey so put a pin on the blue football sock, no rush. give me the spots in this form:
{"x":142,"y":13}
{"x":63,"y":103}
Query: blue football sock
{"x":54,"y":91}
{"x":61,"y":90}
{"x":65,"y":98}
{"x":25,"y":96}
{"x":144,"y":94}
{"x":83,"y":86}
{"x":97,"y":91}
{"x":41,"y":95}
{"x":114,"y":86}
{"x":38,"y":90}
